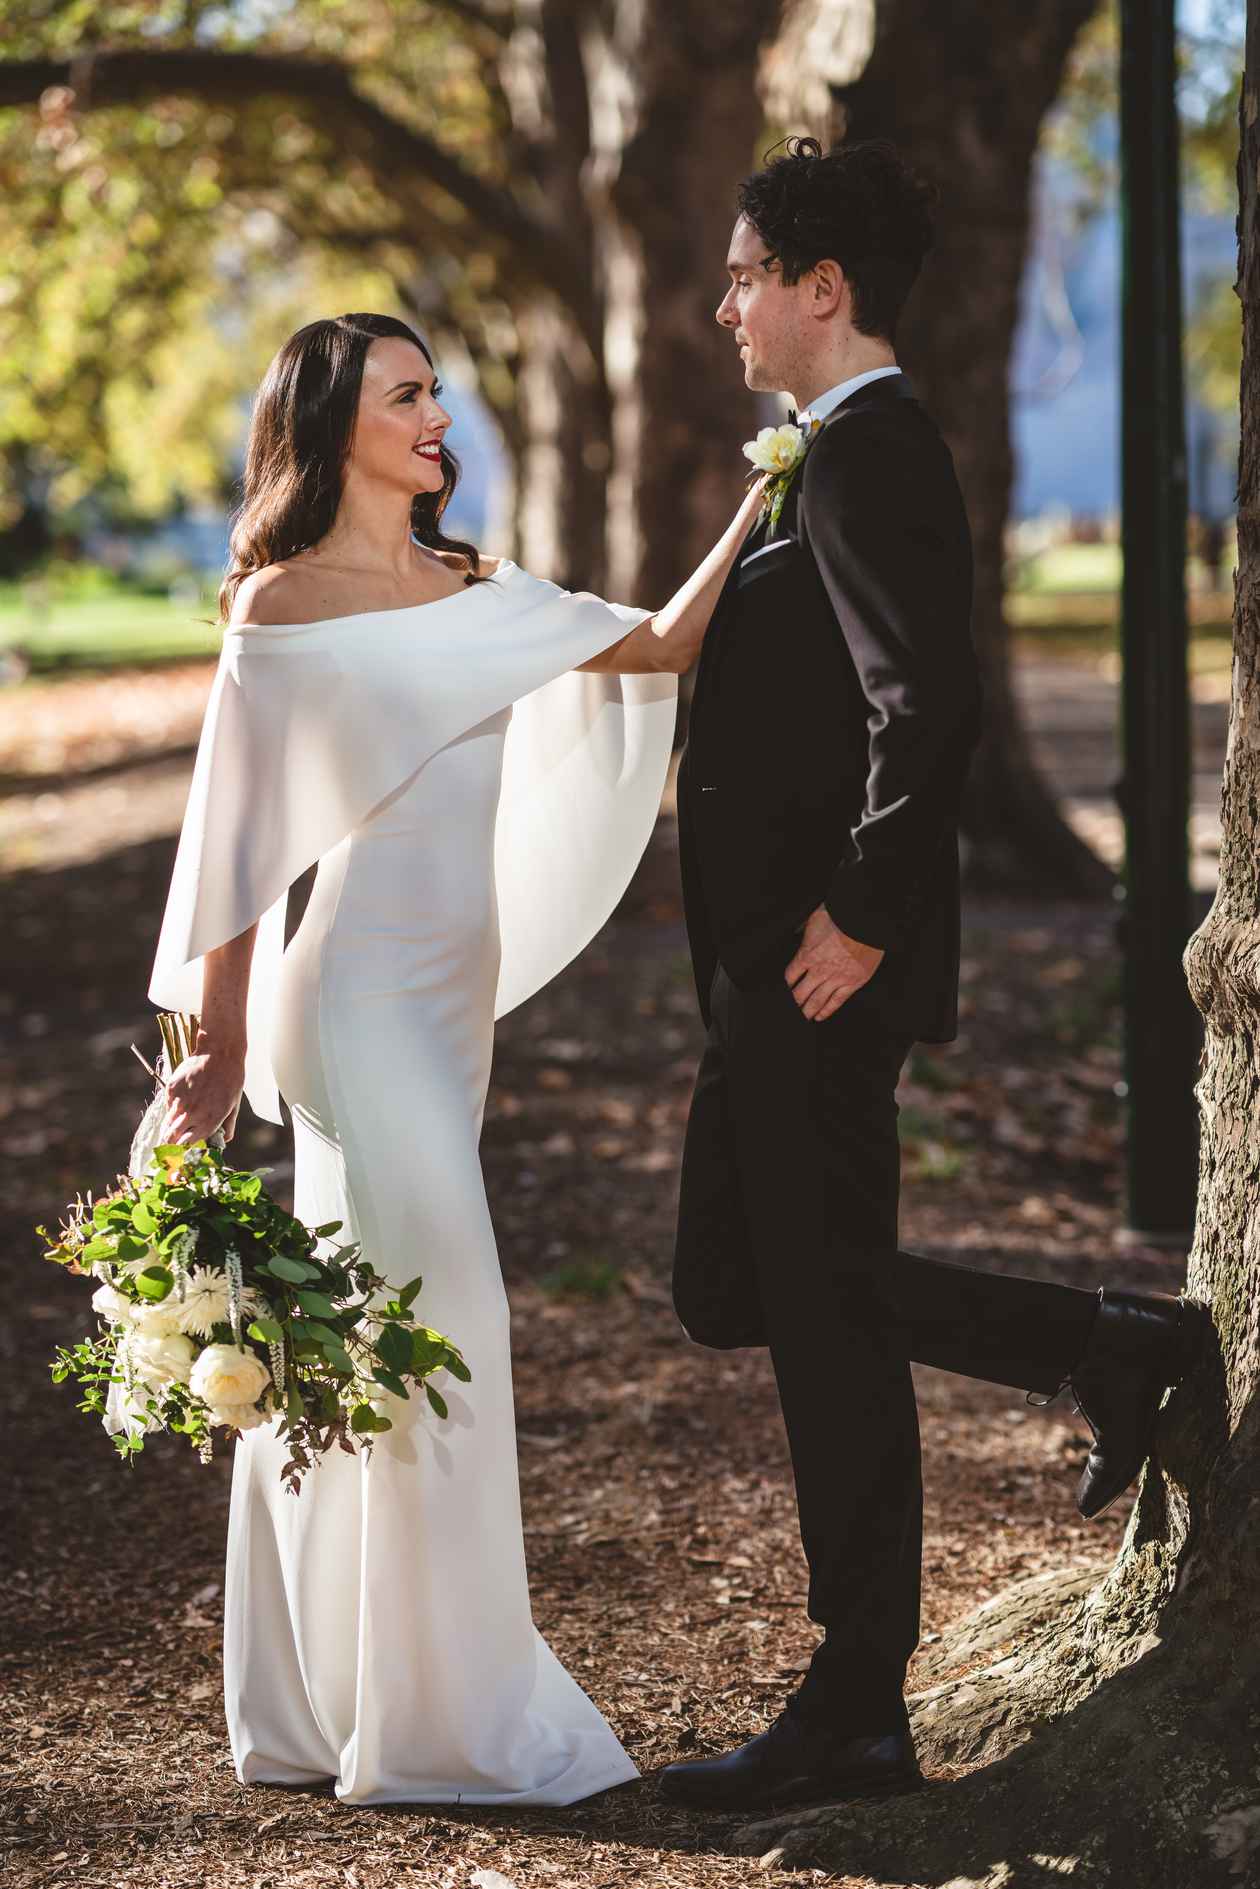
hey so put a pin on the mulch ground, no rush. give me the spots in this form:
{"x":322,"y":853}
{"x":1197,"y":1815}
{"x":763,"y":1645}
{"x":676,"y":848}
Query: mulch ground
{"x":665,"y":1566}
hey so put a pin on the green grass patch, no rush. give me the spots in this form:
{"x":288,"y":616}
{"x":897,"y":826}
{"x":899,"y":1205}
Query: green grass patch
{"x":103,"y":626}
{"x":582,"y":1278}
{"x":935,"y":1161}
{"x":1068,"y":568}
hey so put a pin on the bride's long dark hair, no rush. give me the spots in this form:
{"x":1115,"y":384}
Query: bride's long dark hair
{"x":299,"y":438}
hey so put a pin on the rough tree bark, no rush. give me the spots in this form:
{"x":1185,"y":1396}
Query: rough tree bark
{"x":691,"y":71}
{"x":1113,"y":1723}
{"x":963,"y":91}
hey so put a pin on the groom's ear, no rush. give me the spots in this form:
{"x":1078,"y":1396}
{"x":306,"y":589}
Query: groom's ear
{"x":830,"y":287}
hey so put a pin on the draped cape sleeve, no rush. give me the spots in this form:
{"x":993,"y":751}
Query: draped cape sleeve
{"x":309,"y":727}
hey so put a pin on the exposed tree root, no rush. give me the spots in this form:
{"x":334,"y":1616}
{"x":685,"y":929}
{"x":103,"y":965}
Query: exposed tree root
{"x":1120,"y":1770}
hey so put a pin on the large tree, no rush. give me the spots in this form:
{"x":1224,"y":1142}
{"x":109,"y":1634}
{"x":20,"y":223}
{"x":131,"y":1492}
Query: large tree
{"x":964,"y":90}
{"x":1112,"y":1719}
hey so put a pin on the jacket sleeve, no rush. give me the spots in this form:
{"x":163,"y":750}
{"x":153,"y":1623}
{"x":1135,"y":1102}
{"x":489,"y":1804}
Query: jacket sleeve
{"x":883,"y":518}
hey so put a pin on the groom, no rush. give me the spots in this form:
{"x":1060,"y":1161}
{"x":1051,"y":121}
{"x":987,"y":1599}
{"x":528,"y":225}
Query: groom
{"x":836,"y":707}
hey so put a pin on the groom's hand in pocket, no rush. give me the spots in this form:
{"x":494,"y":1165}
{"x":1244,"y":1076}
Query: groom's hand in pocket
{"x":828,"y":967}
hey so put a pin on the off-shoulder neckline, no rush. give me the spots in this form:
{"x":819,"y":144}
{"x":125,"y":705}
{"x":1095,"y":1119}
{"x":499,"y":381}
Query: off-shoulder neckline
{"x":505,"y":566}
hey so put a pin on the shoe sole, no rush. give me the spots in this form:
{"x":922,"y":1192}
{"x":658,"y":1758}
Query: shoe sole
{"x":1184,"y":1347}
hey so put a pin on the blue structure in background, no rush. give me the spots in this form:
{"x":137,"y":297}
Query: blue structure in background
{"x":1065,"y":369}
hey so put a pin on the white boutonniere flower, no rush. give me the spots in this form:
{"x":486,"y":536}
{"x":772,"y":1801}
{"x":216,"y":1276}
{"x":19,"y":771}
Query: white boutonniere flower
{"x":780,"y":452}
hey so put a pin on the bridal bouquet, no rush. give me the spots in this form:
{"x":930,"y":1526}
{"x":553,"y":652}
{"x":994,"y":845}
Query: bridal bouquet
{"x":218,"y":1309}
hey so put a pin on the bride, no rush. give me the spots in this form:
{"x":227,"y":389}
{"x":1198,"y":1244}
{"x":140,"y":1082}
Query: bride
{"x":475,"y":758}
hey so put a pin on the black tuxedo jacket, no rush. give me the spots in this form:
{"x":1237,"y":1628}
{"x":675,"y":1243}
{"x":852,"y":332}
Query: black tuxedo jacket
{"x":835,"y":709}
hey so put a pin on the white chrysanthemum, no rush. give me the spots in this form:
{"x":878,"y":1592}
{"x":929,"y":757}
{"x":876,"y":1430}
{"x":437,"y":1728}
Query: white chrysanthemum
{"x":776,"y":448}
{"x":206,"y":1301}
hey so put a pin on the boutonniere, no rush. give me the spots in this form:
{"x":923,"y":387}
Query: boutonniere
{"x":779,"y":451}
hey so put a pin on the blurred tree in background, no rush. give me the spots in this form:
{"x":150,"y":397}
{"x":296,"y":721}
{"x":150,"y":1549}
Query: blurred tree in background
{"x":547,"y":187}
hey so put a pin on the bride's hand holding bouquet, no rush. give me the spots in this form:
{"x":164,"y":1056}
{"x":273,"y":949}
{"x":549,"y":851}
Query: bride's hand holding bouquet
{"x":219,"y":1310}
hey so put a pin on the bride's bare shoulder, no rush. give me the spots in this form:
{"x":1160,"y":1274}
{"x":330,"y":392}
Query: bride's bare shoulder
{"x":279,"y":593}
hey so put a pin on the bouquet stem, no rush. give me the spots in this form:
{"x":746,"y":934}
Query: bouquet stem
{"x":179,"y":1035}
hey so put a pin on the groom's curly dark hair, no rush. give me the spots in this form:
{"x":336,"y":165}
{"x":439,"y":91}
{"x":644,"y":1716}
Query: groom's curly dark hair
{"x":861,"y":205}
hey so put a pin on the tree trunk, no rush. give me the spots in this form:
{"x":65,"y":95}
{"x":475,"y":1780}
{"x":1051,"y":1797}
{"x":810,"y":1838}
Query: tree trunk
{"x":682,"y":409}
{"x":566,"y":407}
{"x":1116,"y":1729}
{"x":963,"y":91}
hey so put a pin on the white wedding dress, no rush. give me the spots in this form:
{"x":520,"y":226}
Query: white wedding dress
{"x":476,"y":810}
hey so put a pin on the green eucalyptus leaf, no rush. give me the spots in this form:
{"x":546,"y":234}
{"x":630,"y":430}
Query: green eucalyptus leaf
{"x":154,"y":1282}
{"x":393,"y":1348}
{"x":142,"y":1218}
{"x":407,"y":1296}
{"x":391,"y":1381}
{"x":295,"y":1271}
{"x":436,"y":1399}
{"x":427,"y":1351}
{"x":268,"y":1331}
{"x":457,"y":1368}
{"x":362,"y":1419}
{"x":314,"y":1328}
{"x":317,"y":1302}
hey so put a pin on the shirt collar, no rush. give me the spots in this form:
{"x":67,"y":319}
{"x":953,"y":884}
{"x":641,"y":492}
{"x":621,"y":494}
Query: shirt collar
{"x":820,"y":408}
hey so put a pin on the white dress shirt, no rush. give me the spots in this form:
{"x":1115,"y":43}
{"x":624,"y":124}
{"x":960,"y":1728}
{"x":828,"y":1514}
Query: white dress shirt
{"x":820,"y":408}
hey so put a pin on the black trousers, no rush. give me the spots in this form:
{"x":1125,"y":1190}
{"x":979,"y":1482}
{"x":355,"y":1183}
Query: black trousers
{"x":787,"y":1237}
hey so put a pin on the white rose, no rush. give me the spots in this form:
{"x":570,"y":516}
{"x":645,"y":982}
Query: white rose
{"x":112,"y":1305}
{"x":162,"y":1358}
{"x":158,"y":1320}
{"x":239,"y":1416}
{"x":225,"y":1375}
{"x":775,"y":449}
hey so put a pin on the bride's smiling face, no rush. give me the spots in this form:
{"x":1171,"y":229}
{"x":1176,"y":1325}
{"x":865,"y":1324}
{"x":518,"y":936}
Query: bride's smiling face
{"x":400,"y":423}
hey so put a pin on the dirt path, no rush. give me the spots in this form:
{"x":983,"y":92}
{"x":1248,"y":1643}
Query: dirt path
{"x":664,"y":1561}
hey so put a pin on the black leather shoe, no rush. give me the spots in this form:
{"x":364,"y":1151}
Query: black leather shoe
{"x":792,"y":1764}
{"x":1139,"y":1344}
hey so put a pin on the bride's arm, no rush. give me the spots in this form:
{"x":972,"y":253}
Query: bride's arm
{"x":671,"y":639}
{"x":205,"y":1091}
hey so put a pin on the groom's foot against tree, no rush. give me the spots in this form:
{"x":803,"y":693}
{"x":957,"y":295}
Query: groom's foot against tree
{"x":793,"y":1762}
{"x":1139,"y":1344}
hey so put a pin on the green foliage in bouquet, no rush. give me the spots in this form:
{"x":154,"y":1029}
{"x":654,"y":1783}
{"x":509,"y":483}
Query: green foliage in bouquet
{"x":219,"y":1310}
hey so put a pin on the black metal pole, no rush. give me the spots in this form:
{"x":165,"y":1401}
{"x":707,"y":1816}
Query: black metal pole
{"x":1161,"y":1024}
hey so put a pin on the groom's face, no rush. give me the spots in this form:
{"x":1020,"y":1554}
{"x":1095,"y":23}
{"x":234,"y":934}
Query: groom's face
{"x":766,"y":319}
